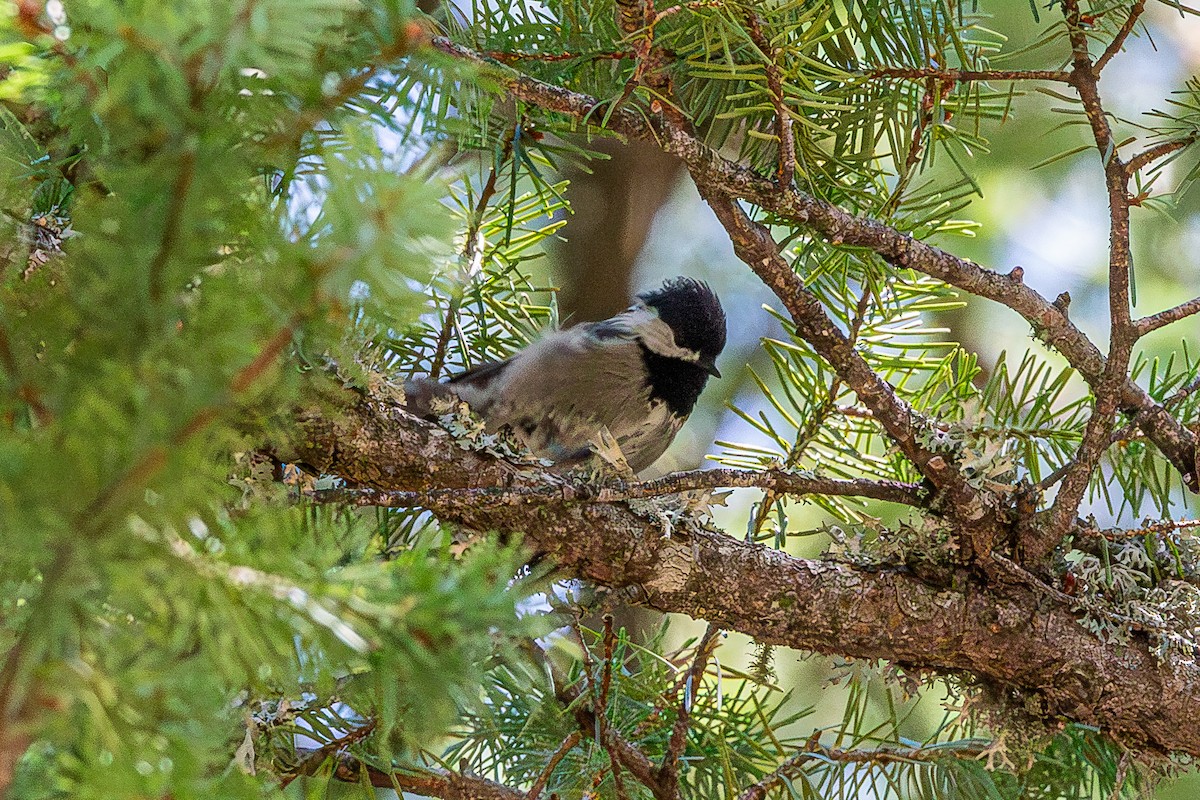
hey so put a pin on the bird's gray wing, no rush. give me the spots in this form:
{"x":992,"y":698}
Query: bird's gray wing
{"x":557,"y":393}
{"x":470,"y":386}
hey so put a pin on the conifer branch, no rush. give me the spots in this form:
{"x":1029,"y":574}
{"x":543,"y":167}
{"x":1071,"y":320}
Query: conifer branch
{"x":1011,"y":634}
{"x":1050,"y":323}
{"x":591,"y":718}
{"x":1122,"y":333}
{"x":753,"y":244}
{"x":1114,"y":47}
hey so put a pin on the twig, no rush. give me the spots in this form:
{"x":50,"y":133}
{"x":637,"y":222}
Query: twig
{"x":1182,"y":393}
{"x":629,"y":756}
{"x":1153,"y":529}
{"x":346,"y":88}
{"x":883,"y":755}
{"x":516,"y":56}
{"x":313,"y":760}
{"x":170,"y":233}
{"x":786,"y":170}
{"x":1163,"y":318}
{"x":968,"y":75}
{"x":913,"y":157}
{"x":1155,"y":152}
{"x":543,"y":778}
{"x":1122,"y":333}
{"x":469,"y":255}
{"x":668,"y":772}
{"x":1123,"y":765}
{"x":1114,"y":47}
{"x":25,"y":390}
{"x":780,"y":481}
{"x":440,"y":783}
{"x":609,"y":644}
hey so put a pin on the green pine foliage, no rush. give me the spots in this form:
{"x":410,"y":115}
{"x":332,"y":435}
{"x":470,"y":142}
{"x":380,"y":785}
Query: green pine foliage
{"x":197,"y":189}
{"x":216,"y":212}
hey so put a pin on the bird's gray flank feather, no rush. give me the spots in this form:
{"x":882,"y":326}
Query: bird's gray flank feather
{"x":557,"y":393}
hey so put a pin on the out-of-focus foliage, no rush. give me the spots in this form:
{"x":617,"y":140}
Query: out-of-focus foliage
{"x":197,"y":208}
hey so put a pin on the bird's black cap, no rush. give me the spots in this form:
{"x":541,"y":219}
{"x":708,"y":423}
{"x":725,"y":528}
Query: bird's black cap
{"x":694,"y":314}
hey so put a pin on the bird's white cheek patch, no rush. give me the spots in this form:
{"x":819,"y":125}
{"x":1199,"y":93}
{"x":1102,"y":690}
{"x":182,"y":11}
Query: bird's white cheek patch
{"x":658,"y":336}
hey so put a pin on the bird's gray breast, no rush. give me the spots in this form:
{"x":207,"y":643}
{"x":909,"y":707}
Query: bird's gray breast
{"x":558,"y":392}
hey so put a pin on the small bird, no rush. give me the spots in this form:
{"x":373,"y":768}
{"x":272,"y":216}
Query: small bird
{"x":638,"y":374}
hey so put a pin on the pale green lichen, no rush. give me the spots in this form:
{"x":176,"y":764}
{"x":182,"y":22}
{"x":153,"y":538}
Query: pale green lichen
{"x":1127,"y":584}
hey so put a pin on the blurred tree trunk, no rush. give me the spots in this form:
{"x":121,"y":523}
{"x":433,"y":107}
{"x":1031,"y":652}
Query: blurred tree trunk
{"x":615,"y":206}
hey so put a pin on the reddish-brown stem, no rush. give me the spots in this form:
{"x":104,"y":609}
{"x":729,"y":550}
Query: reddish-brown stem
{"x":1155,"y":152}
{"x":1114,"y":47}
{"x":668,"y":772}
{"x":786,"y":169}
{"x":444,"y":784}
{"x":557,"y":756}
{"x":170,"y":233}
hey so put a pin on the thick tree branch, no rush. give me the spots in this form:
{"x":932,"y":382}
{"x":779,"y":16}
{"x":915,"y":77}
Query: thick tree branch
{"x":1016,"y":637}
{"x":1050,"y":324}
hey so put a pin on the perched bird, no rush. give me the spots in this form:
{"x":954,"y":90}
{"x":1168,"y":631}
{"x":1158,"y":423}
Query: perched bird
{"x":638,"y":373}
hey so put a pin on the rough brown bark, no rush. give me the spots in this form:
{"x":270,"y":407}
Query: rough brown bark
{"x":1019,"y":637}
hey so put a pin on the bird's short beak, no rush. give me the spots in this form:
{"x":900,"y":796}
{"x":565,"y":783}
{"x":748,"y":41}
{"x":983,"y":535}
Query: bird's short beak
{"x":711,"y":369}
